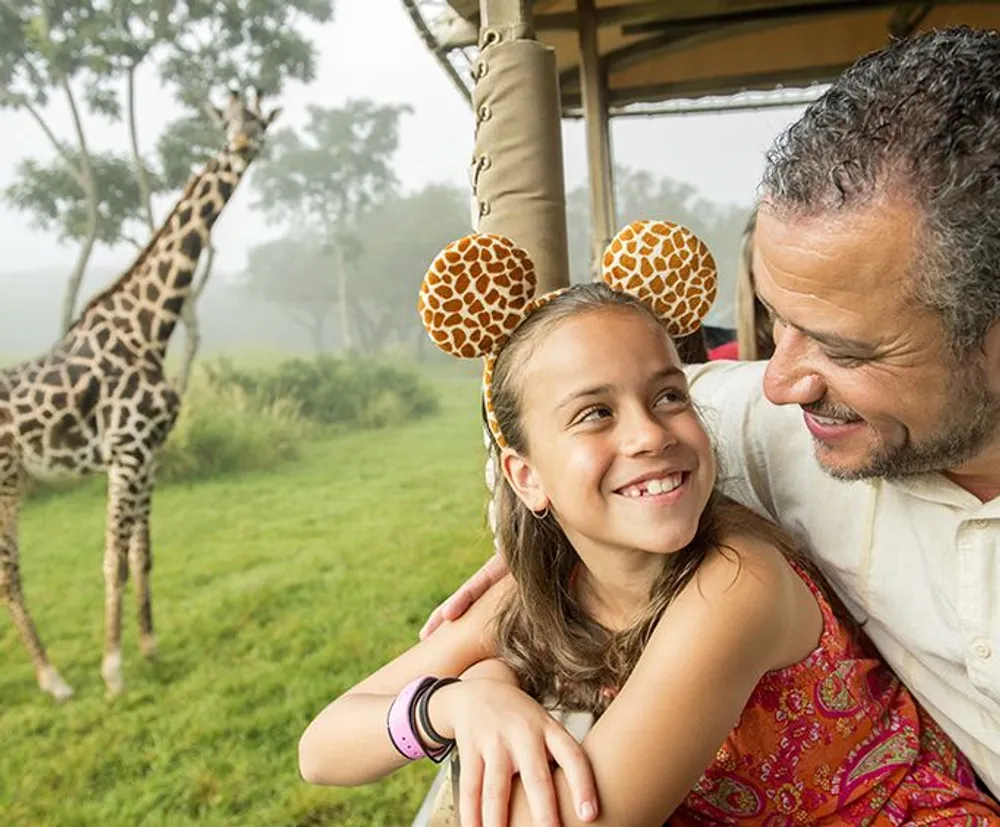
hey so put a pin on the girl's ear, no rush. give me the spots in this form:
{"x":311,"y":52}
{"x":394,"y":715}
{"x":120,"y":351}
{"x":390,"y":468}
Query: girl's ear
{"x":520,"y":473}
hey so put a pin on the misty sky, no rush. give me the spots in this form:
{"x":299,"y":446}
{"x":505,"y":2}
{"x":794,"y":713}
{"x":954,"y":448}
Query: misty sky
{"x":720,"y":154}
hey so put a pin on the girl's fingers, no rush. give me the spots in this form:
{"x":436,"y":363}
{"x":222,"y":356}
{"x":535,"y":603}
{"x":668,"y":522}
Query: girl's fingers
{"x":470,"y":789}
{"x":569,"y":755}
{"x":496,"y":790}
{"x":532,"y":763}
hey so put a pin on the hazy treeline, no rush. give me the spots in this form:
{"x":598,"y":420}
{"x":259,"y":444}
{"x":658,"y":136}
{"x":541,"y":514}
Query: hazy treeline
{"x":350,"y":245}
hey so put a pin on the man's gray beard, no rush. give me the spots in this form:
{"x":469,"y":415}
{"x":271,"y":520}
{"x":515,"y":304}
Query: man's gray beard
{"x":971,"y":422}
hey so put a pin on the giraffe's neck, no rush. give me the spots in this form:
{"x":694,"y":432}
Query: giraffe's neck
{"x":146,"y":302}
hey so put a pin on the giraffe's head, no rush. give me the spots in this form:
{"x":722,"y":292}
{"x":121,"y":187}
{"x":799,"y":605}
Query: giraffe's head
{"x":245,"y":124}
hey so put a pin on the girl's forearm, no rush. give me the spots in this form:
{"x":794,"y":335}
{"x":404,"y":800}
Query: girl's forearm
{"x":347,"y":744}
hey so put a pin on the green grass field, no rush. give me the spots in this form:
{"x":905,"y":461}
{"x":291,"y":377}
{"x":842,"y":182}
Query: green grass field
{"x":272,"y":593}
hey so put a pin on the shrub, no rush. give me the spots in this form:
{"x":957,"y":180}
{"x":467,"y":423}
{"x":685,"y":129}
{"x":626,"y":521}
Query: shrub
{"x":330,"y":390}
{"x":224,"y":430}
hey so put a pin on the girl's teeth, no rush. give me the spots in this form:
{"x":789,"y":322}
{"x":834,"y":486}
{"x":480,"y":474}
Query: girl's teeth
{"x":653,"y":487}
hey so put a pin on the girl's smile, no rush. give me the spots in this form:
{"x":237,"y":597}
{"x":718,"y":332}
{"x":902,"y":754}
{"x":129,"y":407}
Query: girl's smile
{"x":658,"y":487}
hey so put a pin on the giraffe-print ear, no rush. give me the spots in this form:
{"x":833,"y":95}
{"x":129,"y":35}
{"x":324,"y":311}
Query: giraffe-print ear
{"x":667,"y":267}
{"x":475,"y":294}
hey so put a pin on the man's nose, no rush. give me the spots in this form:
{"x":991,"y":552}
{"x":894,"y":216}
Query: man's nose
{"x":790,"y":377}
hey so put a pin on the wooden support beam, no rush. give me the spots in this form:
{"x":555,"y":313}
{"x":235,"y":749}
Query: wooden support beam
{"x":594,"y":83}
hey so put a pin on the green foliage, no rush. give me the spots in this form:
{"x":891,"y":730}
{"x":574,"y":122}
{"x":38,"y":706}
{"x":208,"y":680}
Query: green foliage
{"x":333,"y":391}
{"x":197,"y":47}
{"x":272,"y":594}
{"x":184,"y":144}
{"x":51,"y":195}
{"x":223,"y":430}
{"x":45,"y":42}
{"x":398,"y":244}
{"x":337,"y":172}
{"x":246,"y":42}
{"x":296,"y":272}
{"x":386,"y":262}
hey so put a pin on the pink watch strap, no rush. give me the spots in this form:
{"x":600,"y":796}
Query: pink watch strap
{"x":400,"y":721}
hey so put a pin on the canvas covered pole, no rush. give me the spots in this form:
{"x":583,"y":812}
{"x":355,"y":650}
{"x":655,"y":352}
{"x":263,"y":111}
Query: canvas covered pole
{"x":594,"y":88}
{"x":518,"y":191}
{"x":517,"y":166}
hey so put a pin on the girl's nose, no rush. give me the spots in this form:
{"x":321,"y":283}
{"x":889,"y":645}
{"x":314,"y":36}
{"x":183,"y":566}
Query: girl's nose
{"x":645,"y":434}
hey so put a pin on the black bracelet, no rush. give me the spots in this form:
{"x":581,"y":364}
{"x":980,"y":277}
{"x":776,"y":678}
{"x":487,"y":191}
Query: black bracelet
{"x":445,"y":745}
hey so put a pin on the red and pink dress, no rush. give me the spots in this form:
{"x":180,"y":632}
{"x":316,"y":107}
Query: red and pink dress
{"x":836,"y":739}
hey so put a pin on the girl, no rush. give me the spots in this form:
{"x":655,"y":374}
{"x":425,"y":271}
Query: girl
{"x":725,"y":687}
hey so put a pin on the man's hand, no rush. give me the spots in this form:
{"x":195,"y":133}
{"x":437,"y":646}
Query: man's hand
{"x":492,"y":572}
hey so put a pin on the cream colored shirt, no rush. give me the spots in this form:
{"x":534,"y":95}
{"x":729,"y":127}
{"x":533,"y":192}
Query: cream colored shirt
{"x":916,"y":561}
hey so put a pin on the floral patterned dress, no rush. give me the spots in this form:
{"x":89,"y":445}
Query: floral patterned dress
{"x":836,"y":739}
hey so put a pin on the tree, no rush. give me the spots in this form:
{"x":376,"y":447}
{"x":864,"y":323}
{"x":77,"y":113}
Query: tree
{"x":46,"y":47}
{"x":393,"y":247}
{"x":295,"y":273}
{"x":398,"y":244}
{"x":88,"y":52}
{"x":330,"y":179}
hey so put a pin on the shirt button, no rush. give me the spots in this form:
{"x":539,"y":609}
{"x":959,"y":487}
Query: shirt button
{"x":982,"y":649}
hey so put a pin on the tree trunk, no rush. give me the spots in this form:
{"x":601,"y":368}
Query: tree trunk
{"x":189,"y":317}
{"x":89,"y":186}
{"x":367,"y":339}
{"x":145,"y":192}
{"x":316,"y":331}
{"x":343,"y":305}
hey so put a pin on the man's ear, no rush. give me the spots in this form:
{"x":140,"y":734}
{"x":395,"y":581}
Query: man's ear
{"x":521,"y":474}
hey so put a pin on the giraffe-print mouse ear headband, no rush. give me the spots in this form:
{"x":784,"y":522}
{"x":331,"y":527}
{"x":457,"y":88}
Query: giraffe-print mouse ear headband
{"x":480,"y":288}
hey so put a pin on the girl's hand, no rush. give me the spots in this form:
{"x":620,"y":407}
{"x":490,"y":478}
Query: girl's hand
{"x":500,"y":731}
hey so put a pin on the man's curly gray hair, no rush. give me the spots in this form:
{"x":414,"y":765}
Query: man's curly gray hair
{"x":919,"y":119}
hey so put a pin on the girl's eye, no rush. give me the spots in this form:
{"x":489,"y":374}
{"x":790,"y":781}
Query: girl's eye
{"x":672,"y":396}
{"x":593,"y":414}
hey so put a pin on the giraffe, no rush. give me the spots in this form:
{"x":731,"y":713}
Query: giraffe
{"x":99,"y":400}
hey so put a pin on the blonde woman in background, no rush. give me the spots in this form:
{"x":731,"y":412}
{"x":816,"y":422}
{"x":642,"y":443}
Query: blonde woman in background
{"x":753,"y":326}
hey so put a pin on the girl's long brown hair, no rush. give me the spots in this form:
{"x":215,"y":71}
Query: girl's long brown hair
{"x":557,"y":650}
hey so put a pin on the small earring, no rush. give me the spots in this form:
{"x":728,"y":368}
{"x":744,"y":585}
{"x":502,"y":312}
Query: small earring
{"x":541,"y":515}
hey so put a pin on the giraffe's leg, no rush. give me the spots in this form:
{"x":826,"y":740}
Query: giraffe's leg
{"x":141,"y":564}
{"x":118,"y":532}
{"x":13,"y":596}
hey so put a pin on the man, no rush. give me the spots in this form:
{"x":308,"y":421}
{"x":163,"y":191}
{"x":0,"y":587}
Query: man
{"x":874,"y":431}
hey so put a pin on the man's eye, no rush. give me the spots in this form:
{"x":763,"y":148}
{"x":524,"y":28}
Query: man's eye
{"x":846,"y":361}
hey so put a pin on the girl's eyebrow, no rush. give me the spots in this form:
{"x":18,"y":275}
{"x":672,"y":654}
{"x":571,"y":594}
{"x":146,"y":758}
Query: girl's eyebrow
{"x":599,"y":390}
{"x":576,"y":396}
